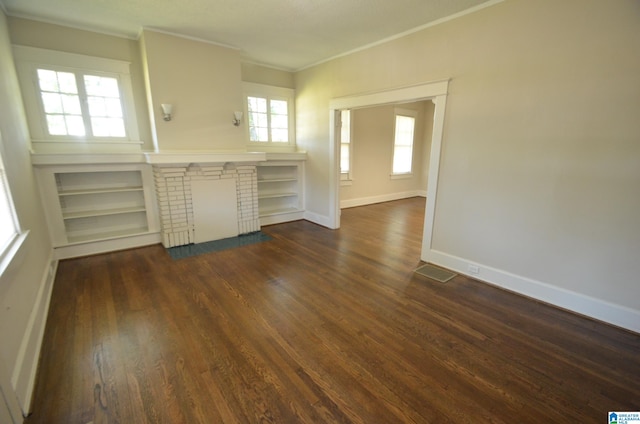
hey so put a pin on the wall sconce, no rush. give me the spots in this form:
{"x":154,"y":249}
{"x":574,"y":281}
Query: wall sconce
{"x":237,"y":117}
{"x":166,"y":111}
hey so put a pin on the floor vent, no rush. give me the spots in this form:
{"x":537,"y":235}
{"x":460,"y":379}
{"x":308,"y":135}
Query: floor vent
{"x":435,"y":273}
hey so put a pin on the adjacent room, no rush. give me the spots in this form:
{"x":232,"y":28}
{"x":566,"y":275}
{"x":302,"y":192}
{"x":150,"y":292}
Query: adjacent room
{"x":213,"y":211}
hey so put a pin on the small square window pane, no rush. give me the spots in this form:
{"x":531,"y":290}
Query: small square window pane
{"x":279,"y":107}
{"x":253,"y":134}
{"x":97,"y":106}
{"x":259,"y":120}
{"x":67,"y":82}
{"x":107,"y":127}
{"x":110,"y":87}
{"x":71,"y":104}
{"x":257,"y":104}
{"x":114,"y":107}
{"x":279,"y":135}
{"x":75,"y":126}
{"x":56,"y":125}
{"x":48,"y":80}
{"x":101,"y":86}
{"x":261,"y":134}
{"x":279,"y":121}
{"x":117,"y":127}
{"x":52,"y":103}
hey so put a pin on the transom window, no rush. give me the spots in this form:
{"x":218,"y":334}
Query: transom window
{"x":81,"y":105}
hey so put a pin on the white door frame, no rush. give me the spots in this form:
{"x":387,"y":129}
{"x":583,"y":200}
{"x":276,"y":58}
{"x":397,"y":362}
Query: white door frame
{"x":435,"y":91}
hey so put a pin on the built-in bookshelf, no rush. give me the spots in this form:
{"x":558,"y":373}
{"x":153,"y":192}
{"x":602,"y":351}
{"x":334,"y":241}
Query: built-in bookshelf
{"x":280,"y":191}
{"x":95,"y":204}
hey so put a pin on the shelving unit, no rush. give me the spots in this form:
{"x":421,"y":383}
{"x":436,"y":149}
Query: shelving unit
{"x":280,"y":196}
{"x":98,"y":208}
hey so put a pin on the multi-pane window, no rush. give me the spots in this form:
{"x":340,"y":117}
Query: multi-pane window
{"x":81,"y":105}
{"x":345,"y":144}
{"x":403,"y":142}
{"x":76,"y":102}
{"x":268,"y":119}
{"x":270,"y":116}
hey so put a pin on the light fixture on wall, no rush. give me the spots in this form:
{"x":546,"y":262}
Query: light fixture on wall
{"x":237,"y":117}
{"x":167,"y":109}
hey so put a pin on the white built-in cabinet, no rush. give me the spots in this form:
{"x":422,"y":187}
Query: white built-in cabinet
{"x":280,"y":191}
{"x":97,"y":208}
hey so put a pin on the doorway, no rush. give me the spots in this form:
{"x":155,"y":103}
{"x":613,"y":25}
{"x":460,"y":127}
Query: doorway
{"x":434,"y":91}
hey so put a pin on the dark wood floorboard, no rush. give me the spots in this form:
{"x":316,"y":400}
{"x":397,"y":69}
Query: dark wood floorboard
{"x":318,"y":326}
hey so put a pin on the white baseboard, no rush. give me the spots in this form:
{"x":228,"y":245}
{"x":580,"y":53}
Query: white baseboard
{"x":323,"y":220}
{"x":620,"y":316}
{"x":24,"y":375}
{"x":281,"y":217}
{"x":103,"y":246}
{"x":362,"y":201}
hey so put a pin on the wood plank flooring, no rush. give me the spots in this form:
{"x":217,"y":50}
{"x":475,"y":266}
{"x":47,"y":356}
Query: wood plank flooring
{"x":318,"y":326}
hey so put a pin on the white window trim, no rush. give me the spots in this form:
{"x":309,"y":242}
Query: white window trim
{"x":276,"y":93}
{"x":10,"y":249}
{"x":412,"y":114}
{"x":29,"y":59}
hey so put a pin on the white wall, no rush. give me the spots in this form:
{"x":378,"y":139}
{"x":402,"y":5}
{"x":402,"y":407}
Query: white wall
{"x":540,"y":166}
{"x":25,"y":284}
{"x":203,"y":83}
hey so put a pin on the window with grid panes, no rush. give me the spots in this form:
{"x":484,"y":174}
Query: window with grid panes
{"x":269,"y":115}
{"x":75,"y":98}
{"x":82,"y":105}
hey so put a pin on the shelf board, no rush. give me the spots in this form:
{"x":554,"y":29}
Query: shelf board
{"x":107,"y":235}
{"x":276,"y":195}
{"x":87,"y":214}
{"x":99,"y":191}
{"x":277,"y":180}
{"x":277,"y":211}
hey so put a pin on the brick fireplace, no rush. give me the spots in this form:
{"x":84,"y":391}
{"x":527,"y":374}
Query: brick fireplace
{"x":204,"y":197}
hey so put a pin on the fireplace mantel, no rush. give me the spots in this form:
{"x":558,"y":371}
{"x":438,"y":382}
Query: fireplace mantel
{"x":186,"y":158}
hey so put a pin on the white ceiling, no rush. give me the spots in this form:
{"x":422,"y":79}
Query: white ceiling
{"x":287,"y":34}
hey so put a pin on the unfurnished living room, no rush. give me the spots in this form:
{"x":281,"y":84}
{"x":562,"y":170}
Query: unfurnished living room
{"x":294,"y":211}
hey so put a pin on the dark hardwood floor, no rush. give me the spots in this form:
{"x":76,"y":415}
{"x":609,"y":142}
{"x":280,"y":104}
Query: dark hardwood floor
{"x":318,"y":326}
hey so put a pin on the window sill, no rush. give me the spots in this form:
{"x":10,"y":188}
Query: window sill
{"x":11,"y":251}
{"x":401,"y":176}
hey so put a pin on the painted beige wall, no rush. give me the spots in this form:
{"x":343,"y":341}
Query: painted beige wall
{"x":32,"y":33}
{"x":203,"y":83}
{"x":372,"y":150}
{"x":540,"y":165}
{"x":20,"y":283}
{"x":259,"y":74}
